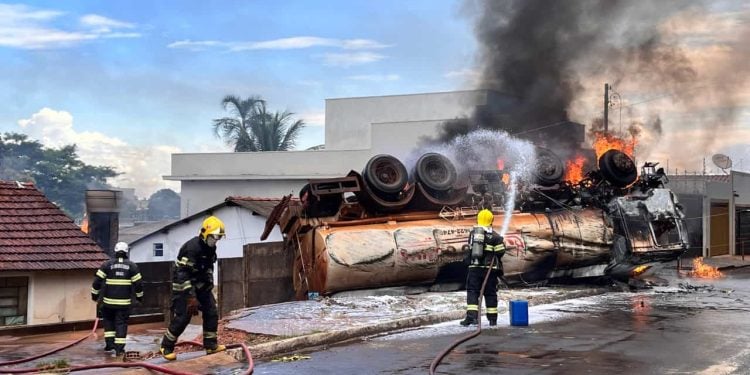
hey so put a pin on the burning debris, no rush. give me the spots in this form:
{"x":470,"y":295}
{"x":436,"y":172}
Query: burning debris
{"x":386,"y":226}
{"x":704,"y":271}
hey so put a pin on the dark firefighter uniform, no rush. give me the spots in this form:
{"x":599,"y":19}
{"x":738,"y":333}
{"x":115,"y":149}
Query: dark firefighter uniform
{"x":478,"y":268}
{"x":115,"y":283}
{"x":193,"y":281}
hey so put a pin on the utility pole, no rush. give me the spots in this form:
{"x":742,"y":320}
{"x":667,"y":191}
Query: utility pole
{"x":606,"y":107}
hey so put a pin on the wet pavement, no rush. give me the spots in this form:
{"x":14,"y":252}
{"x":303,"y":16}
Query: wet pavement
{"x":692,"y":326}
{"x":672,"y":329}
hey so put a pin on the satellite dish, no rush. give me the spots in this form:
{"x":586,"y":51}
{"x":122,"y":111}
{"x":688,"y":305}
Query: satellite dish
{"x":722,"y":161}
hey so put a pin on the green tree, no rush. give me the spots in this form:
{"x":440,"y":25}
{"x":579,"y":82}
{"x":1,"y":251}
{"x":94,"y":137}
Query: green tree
{"x":253,"y":128}
{"x":164,"y":204}
{"x":55,"y":171}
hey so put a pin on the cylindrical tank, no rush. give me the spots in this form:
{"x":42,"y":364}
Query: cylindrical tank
{"x":365,"y":255}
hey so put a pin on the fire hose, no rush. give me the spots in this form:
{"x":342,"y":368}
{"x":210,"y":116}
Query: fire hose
{"x":436,"y":362}
{"x":162,"y":369}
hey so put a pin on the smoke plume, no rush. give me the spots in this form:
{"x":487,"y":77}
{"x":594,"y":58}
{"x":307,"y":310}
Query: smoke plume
{"x":552,"y":58}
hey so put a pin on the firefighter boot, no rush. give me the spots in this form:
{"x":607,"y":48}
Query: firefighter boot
{"x":215,"y":349}
{"x":168,"y":353}
{"x":471,"y":319}
{"x":493,"y":322}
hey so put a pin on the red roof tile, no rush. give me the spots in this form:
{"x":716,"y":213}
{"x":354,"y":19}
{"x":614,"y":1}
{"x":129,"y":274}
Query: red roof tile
{"x":36,"y":235}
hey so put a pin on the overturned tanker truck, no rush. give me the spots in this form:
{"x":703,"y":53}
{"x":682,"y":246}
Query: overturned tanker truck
{"x":386,"y":226}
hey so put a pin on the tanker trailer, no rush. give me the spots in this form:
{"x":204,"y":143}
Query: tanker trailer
{"x":636,"y":227}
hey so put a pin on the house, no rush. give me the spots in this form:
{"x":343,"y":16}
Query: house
{"x":47,"y":263}
{"x":718,"y":212}
{"x":248,"y":272}
{"x":244,"y":220}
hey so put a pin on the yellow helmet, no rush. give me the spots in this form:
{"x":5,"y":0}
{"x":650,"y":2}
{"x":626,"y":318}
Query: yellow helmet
{"x":212,"y":225}
{"x":484,"y":218}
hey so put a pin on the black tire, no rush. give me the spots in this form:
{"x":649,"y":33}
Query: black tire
{"x":435,"y":171}
{"x":617,"y":168}
{"x":385,"y":174}
{"x":549,"y":169}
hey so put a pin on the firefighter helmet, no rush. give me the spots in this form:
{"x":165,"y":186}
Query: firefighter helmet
{"x":484,"y":218}
{"x":122,"y":247}
{"x":212,"y":225}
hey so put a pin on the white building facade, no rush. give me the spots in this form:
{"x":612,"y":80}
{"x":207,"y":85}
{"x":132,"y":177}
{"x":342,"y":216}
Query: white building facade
{"x":356,"y":129}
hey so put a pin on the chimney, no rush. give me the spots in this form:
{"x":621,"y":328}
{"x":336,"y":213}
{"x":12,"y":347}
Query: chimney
{"x":103,"y":210}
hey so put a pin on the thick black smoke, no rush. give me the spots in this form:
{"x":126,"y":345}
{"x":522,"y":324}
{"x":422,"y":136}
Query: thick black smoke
{"x":539,"y":52}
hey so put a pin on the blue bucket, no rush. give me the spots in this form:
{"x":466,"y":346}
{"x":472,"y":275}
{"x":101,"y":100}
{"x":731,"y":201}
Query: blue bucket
{"x":518,"y":310}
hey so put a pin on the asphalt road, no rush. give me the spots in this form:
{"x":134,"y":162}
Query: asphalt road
{"x":692,"y":326}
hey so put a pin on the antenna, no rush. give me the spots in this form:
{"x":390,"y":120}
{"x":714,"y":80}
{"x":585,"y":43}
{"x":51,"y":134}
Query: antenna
{"x":722,"y":161}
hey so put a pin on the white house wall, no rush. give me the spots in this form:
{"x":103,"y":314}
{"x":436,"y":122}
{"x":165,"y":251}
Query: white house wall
{"x":199,"y":195}
{"x":348,"y":119}
{"x":60,"y":296}
{"x":241,"y":227}
{"x":208,"y":177}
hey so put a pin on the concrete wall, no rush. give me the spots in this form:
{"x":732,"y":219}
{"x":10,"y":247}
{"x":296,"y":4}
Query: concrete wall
{"x":348,"y":119}
{"x":61,"y":296}
{"x":241,"y":226}
{"x":198,"y":195}
{"x":209,"y":177}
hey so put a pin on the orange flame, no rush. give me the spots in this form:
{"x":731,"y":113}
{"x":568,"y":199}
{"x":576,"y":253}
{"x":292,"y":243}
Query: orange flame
{"x":574,"y":169}
{"x":704,"y":271}
{"x":604,"y":142}
{"x":85,"y":224}
{"x":506,"y":178}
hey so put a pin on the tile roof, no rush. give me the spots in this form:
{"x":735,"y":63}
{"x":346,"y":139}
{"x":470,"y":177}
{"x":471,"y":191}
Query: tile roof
{"x":36,"y":235}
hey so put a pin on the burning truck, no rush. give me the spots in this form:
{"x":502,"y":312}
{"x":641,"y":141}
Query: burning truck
{"x":387,"y":226}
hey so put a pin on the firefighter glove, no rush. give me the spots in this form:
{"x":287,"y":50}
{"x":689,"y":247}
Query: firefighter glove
{"x":94,"y":297}
{"x":192,"y":306}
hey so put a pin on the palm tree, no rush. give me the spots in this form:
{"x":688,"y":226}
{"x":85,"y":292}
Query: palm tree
{"x":253,"y":128}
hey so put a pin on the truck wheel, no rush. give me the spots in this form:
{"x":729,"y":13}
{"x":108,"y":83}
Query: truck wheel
{"x":385,"y":174}
{"x":435,"y":171}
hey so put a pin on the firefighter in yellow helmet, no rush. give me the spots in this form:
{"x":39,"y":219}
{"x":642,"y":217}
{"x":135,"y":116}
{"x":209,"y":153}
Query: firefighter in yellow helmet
{"x":192,"y":283}
{"x":485,"y":245}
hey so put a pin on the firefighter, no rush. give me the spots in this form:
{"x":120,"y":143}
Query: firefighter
{"x":115,"y":282}
{"x":485,"y":245}
{"x":192,"y":285}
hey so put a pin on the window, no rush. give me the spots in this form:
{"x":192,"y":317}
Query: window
{"x":14,"y":292}
{"x":158,"y":249}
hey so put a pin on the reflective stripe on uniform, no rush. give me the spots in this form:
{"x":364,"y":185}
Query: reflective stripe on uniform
{"x":492,"y":310}
{"x":101,"y":274}
{"x":209,"y":335}
{"x":119,"y":340}
{"x":139,"y":295}
{"x":118,"y":282}
{"x":109,"y":333}
{"x":94,"y":291}
{"x":117,"y":301}
{"x":472,"y":307}
{"x":184,"y":261}
{"x":170,"y":336}
{"x":136,"y":277}
{"x":182,"y":287}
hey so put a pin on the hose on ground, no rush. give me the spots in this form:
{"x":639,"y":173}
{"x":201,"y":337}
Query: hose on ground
{"x":436,"y":362}
{"x":150,"y":366}
{"x":27,"y":359}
